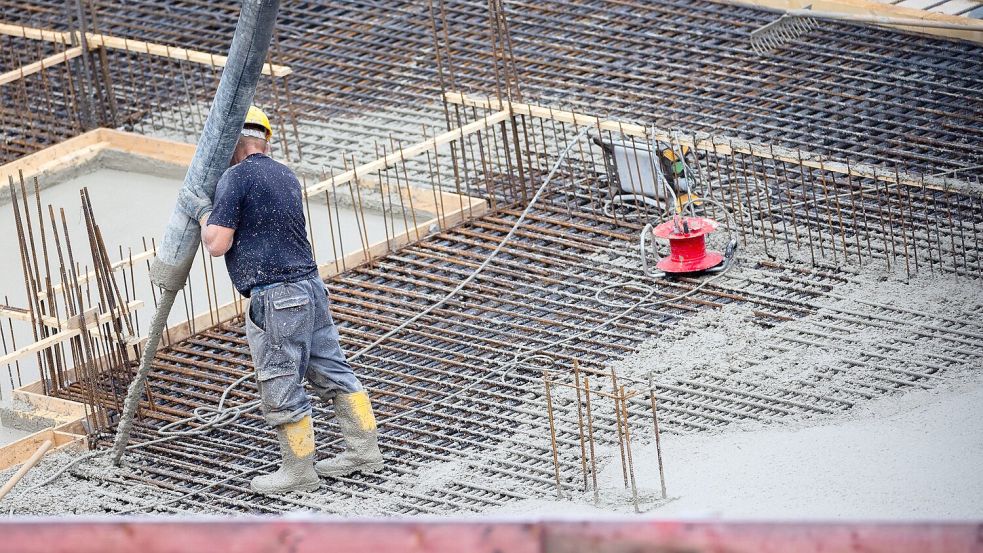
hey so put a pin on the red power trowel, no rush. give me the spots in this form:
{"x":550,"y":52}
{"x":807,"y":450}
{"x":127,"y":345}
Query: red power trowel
{"x":688,"y":252}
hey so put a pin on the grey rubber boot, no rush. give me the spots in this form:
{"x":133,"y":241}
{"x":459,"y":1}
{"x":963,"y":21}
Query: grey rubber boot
{"x":296,"y":472}
{"x":358,"y":429}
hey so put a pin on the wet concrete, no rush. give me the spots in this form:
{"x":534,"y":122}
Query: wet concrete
{"x":8,"y":435}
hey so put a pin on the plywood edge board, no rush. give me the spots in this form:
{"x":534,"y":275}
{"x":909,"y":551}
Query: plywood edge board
{"x":53,"y":157}
{"x":474,"y":208}
{"x":866,"y":7}
{"x":94,"y":40}
{"x":366,"y":169}
{"x":88,"y":145}
{"x":41,"y":402}
{"x":723,"y":145}
{"x":21,"y":450}
{"x":160,"y":149}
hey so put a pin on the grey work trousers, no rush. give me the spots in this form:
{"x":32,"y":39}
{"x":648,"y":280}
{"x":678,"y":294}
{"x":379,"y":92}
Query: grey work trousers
{"x":291,"y":336}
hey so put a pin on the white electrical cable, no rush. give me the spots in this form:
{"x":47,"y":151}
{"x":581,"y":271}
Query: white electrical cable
{"x":212,"y":417}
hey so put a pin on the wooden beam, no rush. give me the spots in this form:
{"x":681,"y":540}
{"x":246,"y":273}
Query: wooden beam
{"x":34,"y":33}
{"x":32,"y":68}
{"x":12,"y":312}
{"x":879,"y":9}
{"x":26,"y":466}
{"x":64,"y":154}
{"x":174,"y":52}
{"x":123,"y":263}
{"x":78,"y":150}
{"x":67,"y":152}
{"x":160,"y":149}
{"x":40,"y":345}
{"x":136,"y":46}
{"x":60,"y":337}
{"x":409,"y":152}
{"x":720,"y":145}
{"x":473,"y":207}
{"x":64,"y":411}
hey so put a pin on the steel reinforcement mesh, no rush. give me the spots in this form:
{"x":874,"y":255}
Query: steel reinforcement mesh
{"x":849,"y":91}
{"x":460,"y":414}
{"x":462,"y":434}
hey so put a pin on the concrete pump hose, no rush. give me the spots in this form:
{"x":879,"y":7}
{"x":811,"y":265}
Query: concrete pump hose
{"x":135,"y":390}
{"x":177,"y":250}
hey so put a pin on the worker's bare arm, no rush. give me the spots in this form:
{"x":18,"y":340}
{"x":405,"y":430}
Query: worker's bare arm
{"x":216,"y":238}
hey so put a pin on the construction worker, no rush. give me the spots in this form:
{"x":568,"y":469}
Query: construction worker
{"x":257,"y":222}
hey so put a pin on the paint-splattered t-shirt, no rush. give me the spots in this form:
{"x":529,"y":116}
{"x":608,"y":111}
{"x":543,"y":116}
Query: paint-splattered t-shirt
{"x":262,"y":200}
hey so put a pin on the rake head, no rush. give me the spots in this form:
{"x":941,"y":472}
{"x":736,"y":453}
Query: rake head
{"x":781,"y":31}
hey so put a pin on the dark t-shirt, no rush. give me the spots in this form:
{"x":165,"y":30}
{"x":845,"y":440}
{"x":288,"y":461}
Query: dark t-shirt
{"x":262,"y":200}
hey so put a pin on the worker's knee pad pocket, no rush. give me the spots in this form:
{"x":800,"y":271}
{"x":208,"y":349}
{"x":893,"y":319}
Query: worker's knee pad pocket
{"x":268,"y":351}
{"x":278,"y":386}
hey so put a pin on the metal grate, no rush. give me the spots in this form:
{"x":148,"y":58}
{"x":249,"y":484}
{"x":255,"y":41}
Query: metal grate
{"x":492,"y":427}
{"x":856,"y":92}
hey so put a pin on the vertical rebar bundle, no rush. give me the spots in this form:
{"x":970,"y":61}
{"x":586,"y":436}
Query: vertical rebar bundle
{"x":83,"y":313}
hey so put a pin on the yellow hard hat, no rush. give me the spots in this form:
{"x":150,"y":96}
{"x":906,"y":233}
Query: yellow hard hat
{"x":255,"y":116}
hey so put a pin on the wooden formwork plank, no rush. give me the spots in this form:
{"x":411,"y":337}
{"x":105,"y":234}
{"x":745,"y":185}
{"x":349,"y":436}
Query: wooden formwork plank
{"x":160,"y":149}
{"x":52,"y":407}
{"x":60,"y":337}
{"x":17,"y":313}
{"x":408,"y":152}
{"x":174,"y":52}
{"x":21,"y":450}
{"x":94,"y":40}
{"x":86,"y":146}
{"x":32,"y":68}
{"x":867,"y":7}
{"x":74,"y":151}
{"x":34,"y":33}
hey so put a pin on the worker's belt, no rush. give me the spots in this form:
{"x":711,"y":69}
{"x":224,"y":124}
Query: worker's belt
{"x":262,"y":287}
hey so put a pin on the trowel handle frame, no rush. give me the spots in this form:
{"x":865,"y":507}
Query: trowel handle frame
{"x":728,"y":257}
{"x":642,"y":242}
